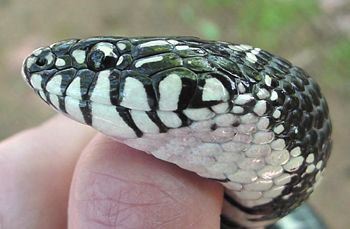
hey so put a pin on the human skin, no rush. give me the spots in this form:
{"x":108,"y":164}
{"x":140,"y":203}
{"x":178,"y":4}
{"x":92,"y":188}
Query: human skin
{"x":62,"y":174}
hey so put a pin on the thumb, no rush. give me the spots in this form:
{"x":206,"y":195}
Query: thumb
{"x":115,"y":186}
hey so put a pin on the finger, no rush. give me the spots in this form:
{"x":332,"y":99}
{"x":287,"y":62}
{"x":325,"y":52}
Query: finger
{"x":36,"y":168}
{"x":115,"y":186}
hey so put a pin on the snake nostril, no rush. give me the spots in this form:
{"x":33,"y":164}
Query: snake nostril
{"x":41,"y":61}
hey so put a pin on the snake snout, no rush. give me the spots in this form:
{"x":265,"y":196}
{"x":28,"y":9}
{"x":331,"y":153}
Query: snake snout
{"x":48,"y":60}
{"x":39,"y":65}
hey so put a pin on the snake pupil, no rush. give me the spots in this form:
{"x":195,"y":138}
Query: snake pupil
{"x":97,"y":61}
{"x":109,"y":62}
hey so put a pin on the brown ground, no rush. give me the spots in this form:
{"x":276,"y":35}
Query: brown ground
{"x":313,"y":34}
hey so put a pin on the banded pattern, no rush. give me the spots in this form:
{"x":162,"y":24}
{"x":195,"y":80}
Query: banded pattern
{"x":229,"y":112}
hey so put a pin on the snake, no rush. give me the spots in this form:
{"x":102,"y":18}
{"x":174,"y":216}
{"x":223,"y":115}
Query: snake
{"x":229,"y":112}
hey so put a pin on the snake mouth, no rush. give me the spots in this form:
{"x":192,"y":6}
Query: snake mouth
{"x":107,"y":118}
{"x":92,"y":100}
{"x":114,"y":120}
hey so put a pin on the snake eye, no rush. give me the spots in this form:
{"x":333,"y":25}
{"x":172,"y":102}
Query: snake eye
{"x":102,"y":56}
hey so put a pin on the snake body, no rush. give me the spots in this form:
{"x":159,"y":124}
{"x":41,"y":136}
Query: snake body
{"x":229,"y":112}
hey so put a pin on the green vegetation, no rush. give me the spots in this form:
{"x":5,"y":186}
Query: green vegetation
{"x":337,"y":66}
{"x":209,"y":30}
{"x":266,"y":21}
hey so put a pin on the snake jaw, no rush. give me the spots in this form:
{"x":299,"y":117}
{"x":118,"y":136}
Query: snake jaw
{"x":232,"y":113}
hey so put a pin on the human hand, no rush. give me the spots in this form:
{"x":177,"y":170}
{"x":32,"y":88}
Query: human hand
{"x":60,"y":174}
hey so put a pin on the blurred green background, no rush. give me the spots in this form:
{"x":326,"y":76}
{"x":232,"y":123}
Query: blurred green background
{"x":312,"y":34}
